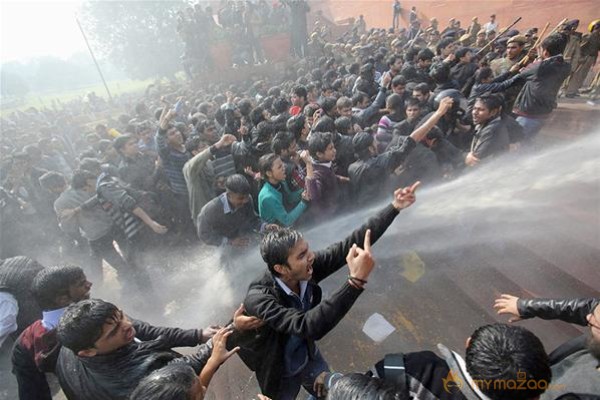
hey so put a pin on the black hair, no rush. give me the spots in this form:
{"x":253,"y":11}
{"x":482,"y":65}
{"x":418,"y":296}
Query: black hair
{"x":443,"y":44}
{"x":411,"y":53}
{"x":280,"y":105}
{"x":264,"y":132}
{"x":193,"y":142}
{"x":300,"y":91}
{"x":398,"y":80}
{"x":276,"y":245}
{"x":422,"y":88}
{"x":81,"y":324}
{"x":274,"y":91}
{"x":359,"y":386}
{"x":92,"y":165}
{"x":256,"y":115}
{"x":171,"y":382}
{"x":237,"y":184}
{"x":80,"y":178}
{"x":395,"y":102}
{"x":52,"y":179}
{"x":392,"y":60}
{"x":491,"y":100}
{"x":120,"y":142}
{"x":324,"y":125}
{"x":295,"y":125}
{"x":440,"y":73}
{"x":501,"y":353}
{"x":483,"y":73}
{"x":281,"y":141}
{"x":460,"y":53}
{"x":425,"y":54}
{"x":245,"y":106}
{"x":328,"y":104}
{"x":555,"y":44}
{"x":337,"y":84}
{"x":52,"y":282}
{"x":354,"y":68}
{"x":265,"y":164}
{"x":318,"y":142}
{"x":412,"y":102}
{"x":359,"y":97}
{"x":343,"y":125}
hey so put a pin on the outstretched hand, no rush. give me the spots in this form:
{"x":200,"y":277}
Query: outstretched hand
{"x":405,"y":197}
{"x":219,"y":352}
{"x":507,"y":304}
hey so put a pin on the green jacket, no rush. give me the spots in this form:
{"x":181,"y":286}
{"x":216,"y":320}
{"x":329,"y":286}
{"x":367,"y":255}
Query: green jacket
{"x":198,"y":181}
{"x":271,"y":204}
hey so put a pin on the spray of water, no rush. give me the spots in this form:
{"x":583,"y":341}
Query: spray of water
{"x":526,"y":224}
{"x":530,"y":196}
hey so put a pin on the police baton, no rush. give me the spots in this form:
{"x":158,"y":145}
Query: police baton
{"x":498,"y":36}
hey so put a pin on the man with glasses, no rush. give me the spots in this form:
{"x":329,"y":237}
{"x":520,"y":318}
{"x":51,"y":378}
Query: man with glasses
{"x":575,"y":363}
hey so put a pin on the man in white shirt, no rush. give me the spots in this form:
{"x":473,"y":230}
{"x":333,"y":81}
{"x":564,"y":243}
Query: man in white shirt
{"x":492,"y":25}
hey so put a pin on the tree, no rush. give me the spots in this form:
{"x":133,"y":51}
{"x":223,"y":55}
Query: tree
{"x":138,"y":36}
{"x":12,"y":84}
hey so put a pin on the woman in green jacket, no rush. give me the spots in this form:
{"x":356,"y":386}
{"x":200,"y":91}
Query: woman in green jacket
{"x":275,"y":194}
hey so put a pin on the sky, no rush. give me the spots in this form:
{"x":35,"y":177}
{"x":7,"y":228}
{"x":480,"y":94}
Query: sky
{"x":36,"y":28}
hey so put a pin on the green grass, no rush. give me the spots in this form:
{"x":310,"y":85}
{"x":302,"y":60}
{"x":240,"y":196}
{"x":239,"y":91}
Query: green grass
{"x":41,"y":100}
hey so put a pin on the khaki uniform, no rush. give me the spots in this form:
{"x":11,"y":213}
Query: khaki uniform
{"x":589,"y":53}
{"x":500,"y":66}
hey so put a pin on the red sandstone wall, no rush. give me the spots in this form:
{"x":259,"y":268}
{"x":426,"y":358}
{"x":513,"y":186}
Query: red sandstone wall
{"x":378,"y":13}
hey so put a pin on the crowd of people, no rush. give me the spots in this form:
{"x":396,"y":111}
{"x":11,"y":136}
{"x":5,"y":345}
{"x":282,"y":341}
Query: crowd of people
{"x":236,"y":167}
{"x":241,"y":24}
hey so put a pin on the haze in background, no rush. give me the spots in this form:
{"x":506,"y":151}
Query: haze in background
{"x":37,"y":28}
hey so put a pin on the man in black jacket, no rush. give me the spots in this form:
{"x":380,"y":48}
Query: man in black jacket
{"x":501,"y":362}
{"x":575,"y":363}
{"x":491,"y":135}
{"x":105,"y":355}
{"x":288,"y":299}
{"x":543,"y":80}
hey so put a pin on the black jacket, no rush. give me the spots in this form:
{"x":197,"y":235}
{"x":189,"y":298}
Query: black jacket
{"x":490,"y":139}
{"x":542,"y":81}
{"x":263,"y":350}
{"x":573,"y":311}
{"x":114,"y":376}
{"x":367,"y":177}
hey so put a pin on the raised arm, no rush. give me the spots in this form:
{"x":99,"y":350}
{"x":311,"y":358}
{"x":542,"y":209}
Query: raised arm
{"x":573,"y":311}
{"x":333,"y":258}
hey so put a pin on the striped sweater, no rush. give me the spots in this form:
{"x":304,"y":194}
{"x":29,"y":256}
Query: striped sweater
{"x":173,"y":162}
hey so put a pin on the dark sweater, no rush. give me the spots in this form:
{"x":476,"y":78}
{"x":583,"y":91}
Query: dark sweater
{"x":323,"y":191}
{"x":216,"y":226}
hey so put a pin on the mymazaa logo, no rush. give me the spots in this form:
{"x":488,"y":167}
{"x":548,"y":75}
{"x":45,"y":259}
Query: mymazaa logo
{"x":454,"y":382}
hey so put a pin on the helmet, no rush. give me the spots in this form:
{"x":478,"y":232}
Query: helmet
{"x":594,"y":24}
{"x":459,"y":107}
